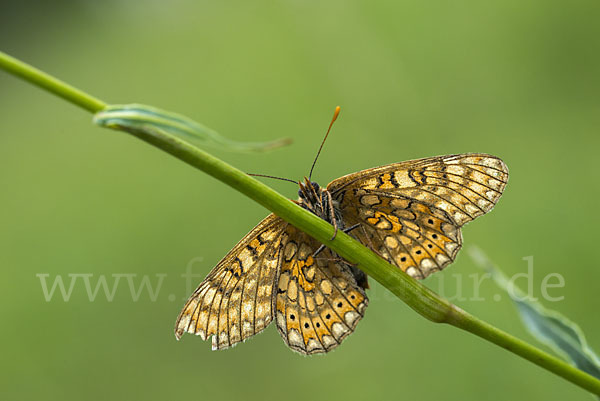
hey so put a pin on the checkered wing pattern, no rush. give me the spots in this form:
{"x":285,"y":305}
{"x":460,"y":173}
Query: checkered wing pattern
{"x":236,"y":300}
{"x":318,"y":300}
{"x":411,"y":212}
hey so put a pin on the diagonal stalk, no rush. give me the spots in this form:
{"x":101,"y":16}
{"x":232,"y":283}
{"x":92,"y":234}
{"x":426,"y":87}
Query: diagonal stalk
{"x":417,"y":296}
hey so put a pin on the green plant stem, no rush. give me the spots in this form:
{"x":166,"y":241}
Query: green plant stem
{"x":49,"y":83}
{"x":413,"y":293}
{"x":463,"y":320}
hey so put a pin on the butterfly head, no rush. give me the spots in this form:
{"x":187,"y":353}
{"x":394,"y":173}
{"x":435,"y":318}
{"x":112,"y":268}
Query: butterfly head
{"x":311,"y":196}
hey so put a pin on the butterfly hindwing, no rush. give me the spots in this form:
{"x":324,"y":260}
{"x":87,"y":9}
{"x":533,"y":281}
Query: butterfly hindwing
{"x":411,"y":212}
{"x":235,"y":301}
{"x":318,"y":301}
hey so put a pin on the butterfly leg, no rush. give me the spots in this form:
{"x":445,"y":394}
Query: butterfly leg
{"x":332,"y":214}
{"x":370,"y":245}
{"x":346,"y":230}
{"x":318,"y":251}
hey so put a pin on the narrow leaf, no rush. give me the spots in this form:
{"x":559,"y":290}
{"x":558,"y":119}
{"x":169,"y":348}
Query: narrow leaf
{"x":138,"y":117}
{"x":547,"y":326}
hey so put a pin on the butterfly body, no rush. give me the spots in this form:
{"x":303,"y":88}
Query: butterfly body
{"x":410,"y":213}
{"x":320,"y":202}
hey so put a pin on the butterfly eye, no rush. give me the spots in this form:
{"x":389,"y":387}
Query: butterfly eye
{"x":300,"y":194}
{"x":315,"y":186}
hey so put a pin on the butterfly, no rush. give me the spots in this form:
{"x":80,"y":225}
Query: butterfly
{"x":410,"y":213}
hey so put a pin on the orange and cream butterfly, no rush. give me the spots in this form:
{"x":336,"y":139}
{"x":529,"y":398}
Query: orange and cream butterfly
{"x":410,"y":213}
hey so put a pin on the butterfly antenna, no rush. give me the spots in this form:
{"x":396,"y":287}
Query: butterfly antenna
{"x":336,"y":113}
{"x":270,"y":176}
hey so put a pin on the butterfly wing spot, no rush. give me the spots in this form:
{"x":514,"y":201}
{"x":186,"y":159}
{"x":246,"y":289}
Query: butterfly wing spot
{"x":400,"y":204}
{"x":292,"y":290}
{"x":414,"y":273}
{"x":369,"y":200}
{"x":329,"y":342}
{"x":412,"y":229}
{"x":404,"y":214}
{"x":480,"y":161}
{"x":290,"y":250}
{"x":428,"y":266}
{"x":339,"y":330}
{"x":391,"y":242}
{"x":326,"y":287}
{"x":450,"y":230}
{"x":340,"y":283}
{"x":313,"y":346}
{"x":295,"y":340}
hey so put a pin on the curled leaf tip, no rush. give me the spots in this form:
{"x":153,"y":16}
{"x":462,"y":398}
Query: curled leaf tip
{"x":139,"y":117}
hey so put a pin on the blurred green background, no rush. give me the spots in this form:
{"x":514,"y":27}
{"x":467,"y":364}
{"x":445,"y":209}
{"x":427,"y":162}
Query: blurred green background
{"x":516,"y":79}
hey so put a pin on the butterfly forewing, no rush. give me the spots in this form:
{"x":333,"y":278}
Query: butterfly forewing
{"x":318,"y":300}
{"x":235,"y":300}
{"x":411,"y":212}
